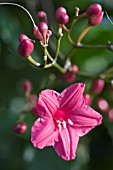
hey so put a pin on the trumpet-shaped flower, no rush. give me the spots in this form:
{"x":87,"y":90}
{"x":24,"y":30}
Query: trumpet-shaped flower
{"x":64,"y":118}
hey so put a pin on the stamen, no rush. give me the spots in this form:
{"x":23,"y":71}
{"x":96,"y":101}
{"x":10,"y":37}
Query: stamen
{"x":58,"y":121}
{"x":59,"y":126}
{"x":70,"y":122}
{"x":39,"y":119}
{"x":64,"y":124}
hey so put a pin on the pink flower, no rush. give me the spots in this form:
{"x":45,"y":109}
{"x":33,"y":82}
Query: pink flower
{"x":63,"y":119}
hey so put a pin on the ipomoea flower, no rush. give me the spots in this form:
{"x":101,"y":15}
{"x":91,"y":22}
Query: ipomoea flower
{"x":63,"y":119}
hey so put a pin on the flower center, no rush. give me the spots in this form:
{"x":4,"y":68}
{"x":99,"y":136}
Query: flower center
{"x":61,"y":119}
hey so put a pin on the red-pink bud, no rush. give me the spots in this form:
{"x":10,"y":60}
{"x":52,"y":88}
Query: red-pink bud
{"x":94,"y":9}
{"x":103,"y":104}
{"x":20,"y":127}
{"x":97,"y":86}
{"x":37,"y":33}
{"x":88,"y":99}
{"x":62,"y":18}
{"x":96,"y":19}
{"x":26,"y":47}
{"x":43,"y":28}
{"x":60,"y":10}
{"x":110,"y":114}
{"x":27,"y":86}
{"x":22,"y":37}
{"x":74,"y":68}
{"x":69,"y":77}
{"x":49,"y":33}
{"x":41,"y":15}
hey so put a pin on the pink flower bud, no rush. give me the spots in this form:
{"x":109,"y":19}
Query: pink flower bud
{"x":62,"y":18}
{"x":22,"y":37}
{"x":103,"y":104}
{"x":69,"y":75}
{"x":27,"y":86}
{"x":88,"y":99}
{"x":41,"y":15}
{"x":110,"y":114}
{"x":60,"y":10}
{"x":20,"y":127}
{"x":94,"y":9}
{"x":26,"y":47}
{"x":74,"y":68}
{"x":49,"y":33}
{"x":37,"y":33}
{"x":96,"y":19}
{"x":97,"y":86}
{"x":43,"y":28}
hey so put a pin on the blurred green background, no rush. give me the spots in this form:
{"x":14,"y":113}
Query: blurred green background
{"x":95,"y":150}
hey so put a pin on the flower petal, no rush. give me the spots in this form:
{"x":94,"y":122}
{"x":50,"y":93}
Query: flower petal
{"x":43,"y":134}
{"x":85,"y":119}
{"x":71,"y":97}
{"x":67,"y":144}
{"x":47,"y":103}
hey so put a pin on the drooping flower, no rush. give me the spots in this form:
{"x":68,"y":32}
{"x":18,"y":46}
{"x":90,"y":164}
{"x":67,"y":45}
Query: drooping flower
{"x":63,"y":119}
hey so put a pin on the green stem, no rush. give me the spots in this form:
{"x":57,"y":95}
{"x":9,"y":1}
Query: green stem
{"x":62,"y":70}
{"x":58,"y":46}
{"x":83,"y":33}
{"x":56,"y":65}
{"x":69,"y":32}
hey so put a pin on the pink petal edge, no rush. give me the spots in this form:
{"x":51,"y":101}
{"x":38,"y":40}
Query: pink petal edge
{"x":47,"y":103}
{"x":72,"y":97}
{"x":85,"y":119}
{"x":43,"y":134}
{"x":67,"y":144}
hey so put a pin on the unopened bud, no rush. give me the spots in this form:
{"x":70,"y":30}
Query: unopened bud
{"x":20,"y":127}
{"x":22,"y":37}
{"x":110,"y":114}
{"x":61,"y":15}
{"x":41,"y":15}
{"x":94,"y":9}
{"x":25,"y":47}
{"x":37,"y":33}
{"x":97,"y":86}
{"x":96,"y":19}
{"x":103,"y":104}
{"x":27,"y":86}
{"x":88,"y":99}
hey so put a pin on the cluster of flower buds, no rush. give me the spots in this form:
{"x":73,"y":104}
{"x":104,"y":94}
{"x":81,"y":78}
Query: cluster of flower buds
{"x":95,"y":14}
{"x":26,"y":45}
{"x":42,"y":32}
{"x":70,"y":74}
